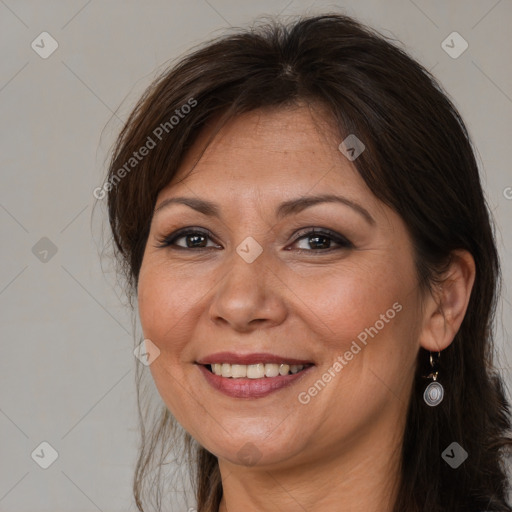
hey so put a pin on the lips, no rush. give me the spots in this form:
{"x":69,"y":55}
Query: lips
{"x":251,"y":375}
{"x":254,"y":358}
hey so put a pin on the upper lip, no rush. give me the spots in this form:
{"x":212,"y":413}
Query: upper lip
{"x":246,"y":359}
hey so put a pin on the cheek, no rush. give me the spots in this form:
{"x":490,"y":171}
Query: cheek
{"x":165,"y":298}
{"x":343,"y":302}
{"x":370,"y":320}
{"x":166,"y":311}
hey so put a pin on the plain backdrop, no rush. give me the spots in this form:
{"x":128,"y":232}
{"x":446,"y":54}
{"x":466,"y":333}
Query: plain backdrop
{"x":67,"y":366}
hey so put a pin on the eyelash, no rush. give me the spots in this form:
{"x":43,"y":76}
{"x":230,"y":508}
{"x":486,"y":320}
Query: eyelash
{"x":169,"y":240}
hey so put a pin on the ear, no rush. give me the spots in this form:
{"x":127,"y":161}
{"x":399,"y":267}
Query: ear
{"x":445,"y":308}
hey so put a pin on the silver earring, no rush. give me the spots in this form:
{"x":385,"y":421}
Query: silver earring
{"x":434,"y":392}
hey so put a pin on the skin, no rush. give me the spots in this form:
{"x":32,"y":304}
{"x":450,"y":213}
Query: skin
{"x":339,"y":451}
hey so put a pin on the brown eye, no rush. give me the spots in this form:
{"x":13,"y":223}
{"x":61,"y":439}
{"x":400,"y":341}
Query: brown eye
{"x":193,"y":239}
{"x":321,"y":240}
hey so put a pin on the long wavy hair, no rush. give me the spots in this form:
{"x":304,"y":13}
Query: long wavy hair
{"x":419,"y":161}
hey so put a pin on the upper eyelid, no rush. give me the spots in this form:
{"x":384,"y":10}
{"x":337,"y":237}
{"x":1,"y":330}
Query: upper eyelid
{"x":179,"y":233}
{"x":338,"y":238}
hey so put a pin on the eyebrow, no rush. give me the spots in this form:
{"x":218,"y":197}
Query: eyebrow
{"x":285,"y":209}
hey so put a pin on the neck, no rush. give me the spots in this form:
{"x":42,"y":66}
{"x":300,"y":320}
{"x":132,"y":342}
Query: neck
{"x":363,"y":477}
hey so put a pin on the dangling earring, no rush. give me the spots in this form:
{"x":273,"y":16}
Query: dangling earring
{"x":434,"y":392}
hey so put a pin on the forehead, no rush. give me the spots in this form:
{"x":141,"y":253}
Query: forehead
{"x":287,"y":148}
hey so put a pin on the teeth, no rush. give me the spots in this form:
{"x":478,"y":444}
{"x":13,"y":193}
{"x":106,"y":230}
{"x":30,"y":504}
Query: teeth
{"x":238,"y":371}
{"x":226,"y":370}
{"x":255,"y":371}
{"x":271,"y":370}
{"x":283,"y":369}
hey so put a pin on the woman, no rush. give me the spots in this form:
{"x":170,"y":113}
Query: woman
{"x":299,"y":214}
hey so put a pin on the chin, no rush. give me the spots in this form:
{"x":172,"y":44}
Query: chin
{"x":254,"y":446}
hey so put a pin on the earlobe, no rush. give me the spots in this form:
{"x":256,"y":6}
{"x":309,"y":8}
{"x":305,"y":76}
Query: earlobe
{"x":444,"y":312}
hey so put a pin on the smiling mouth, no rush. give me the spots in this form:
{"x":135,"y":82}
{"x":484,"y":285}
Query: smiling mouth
{"x":255,"y":371}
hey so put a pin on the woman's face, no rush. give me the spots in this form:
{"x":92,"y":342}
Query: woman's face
{"x":261,"y":292}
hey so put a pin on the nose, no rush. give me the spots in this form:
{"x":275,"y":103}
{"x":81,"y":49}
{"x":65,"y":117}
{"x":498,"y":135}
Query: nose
{"x":248,"y":296}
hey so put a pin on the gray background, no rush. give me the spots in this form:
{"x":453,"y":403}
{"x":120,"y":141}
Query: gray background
{"x":67,"y":366}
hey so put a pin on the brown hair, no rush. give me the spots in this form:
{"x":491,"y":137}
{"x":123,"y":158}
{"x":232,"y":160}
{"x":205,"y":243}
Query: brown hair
{"x":418,"y":160}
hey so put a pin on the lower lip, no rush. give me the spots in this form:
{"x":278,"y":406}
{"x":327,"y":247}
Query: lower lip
{"x":251,"y":388}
